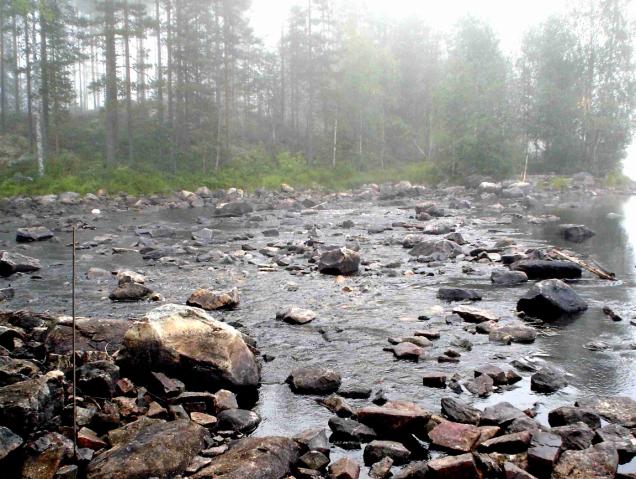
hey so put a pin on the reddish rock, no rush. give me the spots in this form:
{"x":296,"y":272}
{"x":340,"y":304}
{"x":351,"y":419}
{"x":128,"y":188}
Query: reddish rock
{"x":507,"y":444}
{"x":455,"y":436}
{"x":89,"y":438}
{"x":454,"y":467}
{"x":204,"y":419}
{"x":344,"y":468}
{"x":395,"y":418}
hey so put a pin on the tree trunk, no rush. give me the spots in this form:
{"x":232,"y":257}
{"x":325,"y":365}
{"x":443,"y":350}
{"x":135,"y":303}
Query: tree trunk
{"x":3,"y":91}
{"x":310,"y":101}
{"x":227,"y":31}
{"x":111,"y":85}
{"x":44,"y":80}
{"x":127,"y":84}
{"x":335,"y":141}
{"x":16,"y":69}
{"x":169,"y":47}
{"x":159,"y":66}
{"x":27,"y":68}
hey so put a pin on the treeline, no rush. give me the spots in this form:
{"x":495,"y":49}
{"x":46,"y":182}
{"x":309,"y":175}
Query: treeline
{"x":184,"y":85}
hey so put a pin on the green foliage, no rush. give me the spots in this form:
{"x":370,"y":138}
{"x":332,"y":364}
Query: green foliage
{"x":255,"y":169}
{"x":559,"y":183}
{"x":617,"y":179}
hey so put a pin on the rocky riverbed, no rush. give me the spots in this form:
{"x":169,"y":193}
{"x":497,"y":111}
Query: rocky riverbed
{"x":391,"y":330}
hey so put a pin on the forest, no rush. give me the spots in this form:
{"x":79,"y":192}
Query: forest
{"x":141,"y":95}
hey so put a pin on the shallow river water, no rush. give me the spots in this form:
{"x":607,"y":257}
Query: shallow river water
{"x":355,"y":317}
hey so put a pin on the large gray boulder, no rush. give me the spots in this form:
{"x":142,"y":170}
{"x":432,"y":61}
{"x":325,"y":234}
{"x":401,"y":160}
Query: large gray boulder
{"x":551,"y":299}
{"x":34,"y":233}
{"x":158,"y":449}
{"x":440,"y":250}
{"x":188,"y":344}
{"x":234,"y":208}
{"x":544,"y":269}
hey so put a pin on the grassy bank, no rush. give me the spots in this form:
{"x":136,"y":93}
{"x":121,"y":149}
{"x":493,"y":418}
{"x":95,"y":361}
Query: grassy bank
{"x":68,"y":173}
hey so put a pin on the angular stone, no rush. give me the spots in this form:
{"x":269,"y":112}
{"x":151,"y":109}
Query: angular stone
{"x":575,"y":436}
{"x":315,"y":460}
{"x":481,"y":386}
{"x":89,"y":439}
{"x":239,"y":420}
{"x":565,"y":415}
{"x":378,"y":450}
{"x":395,"y":418}
{"x":190,"y":345}
{"x":504,"y":277}
{"x":507,"y":444}
{"x":543,"y":453}
{"x":455,"y":436}
{"x":547,"y":380}
{"x":459,"y":411}
{"x":575,"y":233}
{"x":615,"y":409}
{"x":34,"y":233}
{"x":544,"y":269}
{"x":318,"y":381}
{"x":162,"y":449}
{"x":381,"y":469}
{"x":458,"y":294}
{"x":344,"y":468}
{"x":254,"y":458}
{"x":453,"y":467}
{"x":130,"y":292}
{"x":434,"y":380}
{"x":9,"y":442}
{"x":513,"y":471}
{"x":497,"y":374}
{"x":214,"y":300}
{"x":550,"y":299}
{"x":11,"y":263}
{"x":620,"y":437}
{"x":295,"y":315}
{"x":339,"y":261}
{"x":475,"y":315}
{"x":349,"y":430}
{"x":408,"y":351}
{"x":597,"y":462}
{"x":514,"y":331}
{"x":314,"y":440}
{"x":500,"y":414}
{"x":206,"y":420}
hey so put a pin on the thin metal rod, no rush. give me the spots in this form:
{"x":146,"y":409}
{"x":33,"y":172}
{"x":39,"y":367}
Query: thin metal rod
{"x":74,"y":365}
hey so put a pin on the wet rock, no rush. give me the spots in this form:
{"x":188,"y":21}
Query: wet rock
{"x":339,"y":261}
{"x":128,"y":276}
{"x":349,"y":430}
{"x":507,"y":444}
{"x":319,"y":381}
{"x":395,"y":418}
{"x":11,"y":263}
{"x":344,"y":468}
{"x":543,"y":453}
{"x":505,"y":277}
{"x":206,"y":420}
{"x":458,"y":294}
{"x":550,"y":299}
{"x":565,"y":415}
{"x":597,"y":462}
{"x":9,"y":442}
{"x":459,"y":411}
{"x":30,"y":405}
{"x":34,"y":233}
{"x":378,"y":450}
{"x":547,"y":380}
{"x":314,"y":460}
{"x":213,"y":300}
{"x":455,"y":436}
{"x":514,"y":331}
{"x":575,"y":436}
{"x":381,"y":469}
{"x":615,"y":409}
{"x":620,"y":437}
{"x":575,"y":233}
{"x":453,"y":467}
{"x":434,"y":380}
{"x":337,"y":405}
{"x":89,"y":439}
{"x":45,"y":455}
{"x":188,"y":344}
{"x":239,"y":420}
{"x":223,"y":400}
{"x":475,"y":315}
{"x":544,"y":269}
{"x":167,"y":387}
{"x":407,"y":351}
{"x":440,"y":250}
{"x":481,"y":386}
{"x":415,"y":470}
{"x":497,"y":374}
{"x":159,"y":449}
{"x":314,"y":440}
{"x":254,"y":458}
{"x":234,"y":209}
{"x":513,"y":471}
{"x":130,"y":292}
{"x":295,"y":315}
{"x":501,"y":414}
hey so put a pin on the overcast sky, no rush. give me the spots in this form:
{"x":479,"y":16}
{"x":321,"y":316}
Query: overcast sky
{"x":510,"y":18}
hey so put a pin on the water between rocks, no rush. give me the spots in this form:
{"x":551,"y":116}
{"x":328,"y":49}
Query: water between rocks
{"x":355,"y":317}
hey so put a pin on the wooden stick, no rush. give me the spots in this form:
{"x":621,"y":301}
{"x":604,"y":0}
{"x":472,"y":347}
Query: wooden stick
{"x":601,"y":273}
{"x":74,"y":360}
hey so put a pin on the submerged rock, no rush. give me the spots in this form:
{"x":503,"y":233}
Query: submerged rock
{"x":506,"y":277}
{"x":458,"y":294}
{"x":575,"y":233}
{"x":550,"y":299}
{"x":188,"y":344}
